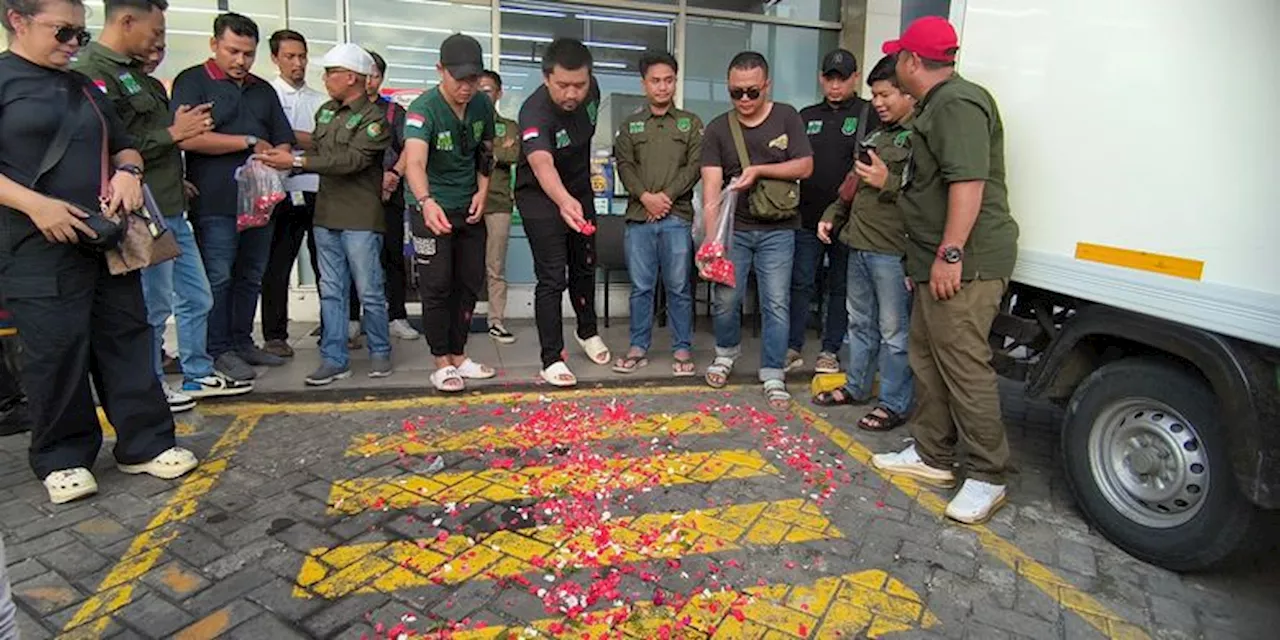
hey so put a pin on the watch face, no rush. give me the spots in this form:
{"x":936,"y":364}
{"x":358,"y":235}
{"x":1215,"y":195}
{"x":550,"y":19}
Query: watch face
{"x":951,"y":255}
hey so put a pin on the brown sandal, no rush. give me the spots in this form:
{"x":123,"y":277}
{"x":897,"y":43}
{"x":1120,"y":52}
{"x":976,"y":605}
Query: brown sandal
{"x":836,"y":398}
{"x":881,"y":418}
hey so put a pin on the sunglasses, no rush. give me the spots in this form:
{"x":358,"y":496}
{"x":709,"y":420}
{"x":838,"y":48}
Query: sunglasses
{"x":65,"y":33}
{"x":752,"y":93}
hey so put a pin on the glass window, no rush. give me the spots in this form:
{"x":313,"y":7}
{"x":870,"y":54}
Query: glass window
{"x":412,"y":46}
{"x":793,"y":9}
{"x":320,"y":22}
{"x":794,"y":54}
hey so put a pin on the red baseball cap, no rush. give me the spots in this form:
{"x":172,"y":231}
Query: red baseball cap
{"x":930,"y":37}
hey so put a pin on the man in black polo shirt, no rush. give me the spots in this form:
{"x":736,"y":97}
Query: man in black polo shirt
{"x":553,"y":194}
{"x":247,"y":117}
{"x":834,"y":127}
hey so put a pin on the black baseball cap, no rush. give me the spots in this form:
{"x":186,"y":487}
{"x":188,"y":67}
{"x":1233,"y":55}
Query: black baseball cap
{"x":461,"y":56}
{"x":839,"y":62}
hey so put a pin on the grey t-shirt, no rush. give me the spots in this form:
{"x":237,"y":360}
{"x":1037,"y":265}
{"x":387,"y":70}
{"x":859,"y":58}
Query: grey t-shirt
{"x":781,"y":137}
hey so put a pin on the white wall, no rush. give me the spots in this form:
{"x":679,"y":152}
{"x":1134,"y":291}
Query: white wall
{"x":884,"y":18}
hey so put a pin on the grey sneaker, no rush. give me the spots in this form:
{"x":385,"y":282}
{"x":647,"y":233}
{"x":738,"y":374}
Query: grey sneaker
{"x":380,"y":367}
{"x":232,"y":366}
{"x":278,"y":348}
{"x":259,"y":358}
{"x":327,"y":374}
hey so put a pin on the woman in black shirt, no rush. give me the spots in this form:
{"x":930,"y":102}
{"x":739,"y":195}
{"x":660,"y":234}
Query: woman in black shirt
{"x":74,"y":319}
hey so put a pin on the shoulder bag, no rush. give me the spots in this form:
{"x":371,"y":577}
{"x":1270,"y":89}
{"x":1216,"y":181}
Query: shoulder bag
{"x":770,"y":199}
{"x":147,"y":240}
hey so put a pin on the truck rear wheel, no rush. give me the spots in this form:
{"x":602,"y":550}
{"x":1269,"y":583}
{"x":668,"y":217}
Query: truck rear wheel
{"x":1146,"y":457}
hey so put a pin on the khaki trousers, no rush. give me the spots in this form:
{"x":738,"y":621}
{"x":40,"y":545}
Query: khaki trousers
{"x":959,"y":399}
{"x":495,"y":264}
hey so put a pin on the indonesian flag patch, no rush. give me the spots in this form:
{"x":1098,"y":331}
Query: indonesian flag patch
{"x":415,"y":120}
{"x":101,"y":85}
{"x":529,"y":134}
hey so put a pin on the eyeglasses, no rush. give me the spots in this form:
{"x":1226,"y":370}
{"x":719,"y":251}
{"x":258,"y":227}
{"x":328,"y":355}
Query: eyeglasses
{"x":751,"y":93}
{"x":65,"y":33}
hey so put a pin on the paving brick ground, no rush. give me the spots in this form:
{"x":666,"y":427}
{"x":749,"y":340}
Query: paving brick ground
{"x":282,"y":535}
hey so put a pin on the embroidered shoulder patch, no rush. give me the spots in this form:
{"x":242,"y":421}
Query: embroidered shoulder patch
{"x":326,"y":116}
{"x":499,"y":130}
{"x":901,"y":139}
{"x":374,"y":129}
{"x":354,"y":120}
{"x":635,"y":127}
{"x":814,"y":127}
{"x":415,"y":120}
{"x":684,"y":124}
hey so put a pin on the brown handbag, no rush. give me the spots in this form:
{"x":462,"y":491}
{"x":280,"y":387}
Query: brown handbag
{"x":147,"y":240}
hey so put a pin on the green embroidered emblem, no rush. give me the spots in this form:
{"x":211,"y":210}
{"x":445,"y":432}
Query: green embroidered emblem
{"x":130,"y":83}
{"x":635,"y":127}
{"x":562,"y":139}
{"x":354,"y":120}
{"x":900,"y":140}
{"x":684,"y":124}
{"x":814,"y":127}
{"x":850,"y":126}
{"x":444,"y":141}
{"x":477,"y":130}
{"x":374,"y":129}
{"x":326,"y":116}
{"x":500,"y":130}
{"x":593,"y":109}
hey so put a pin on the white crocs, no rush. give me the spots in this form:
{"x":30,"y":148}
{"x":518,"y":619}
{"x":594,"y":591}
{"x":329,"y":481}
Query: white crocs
{"x":66,"y":485}
{"x":174,"y":463}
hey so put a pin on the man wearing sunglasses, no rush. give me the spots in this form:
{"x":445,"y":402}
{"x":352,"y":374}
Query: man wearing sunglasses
{"x":771,"y":136}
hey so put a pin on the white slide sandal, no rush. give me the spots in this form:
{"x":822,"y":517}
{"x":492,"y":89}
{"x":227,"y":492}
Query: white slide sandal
{"x":472,"y":370}
{"x":559,"y":375}
{"x":596,"y":349}
{"x":448,"y":380}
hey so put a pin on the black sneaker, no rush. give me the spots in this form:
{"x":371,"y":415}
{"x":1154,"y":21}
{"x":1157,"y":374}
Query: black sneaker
{"x":14,"y":418}
{"x":171,"y":365}
{"x":259,"y":358}
{"x":500,"y":334}
{"x":233,"y":367}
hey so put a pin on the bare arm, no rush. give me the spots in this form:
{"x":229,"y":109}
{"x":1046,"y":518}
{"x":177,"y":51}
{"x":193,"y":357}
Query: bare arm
{"x":18,"y":197}
{"x":304,"y":139}
{"x":964,"y":201}
{"x":797,"y":169}
{"x":712,"y":183}
{"x":414,"y":160}
{"x":544,"y":169}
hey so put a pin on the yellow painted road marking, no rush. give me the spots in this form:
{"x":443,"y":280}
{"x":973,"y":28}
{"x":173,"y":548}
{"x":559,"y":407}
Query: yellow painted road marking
{"x":505,"y":485}
{"x":1059,"y":589}
{"x":389,"y":566}
{"x":866,"y":604}
{"x":109,"y":432}
{"x":1141,"y":260}
{"x":490,"y":437}
{"x":116,"y":590}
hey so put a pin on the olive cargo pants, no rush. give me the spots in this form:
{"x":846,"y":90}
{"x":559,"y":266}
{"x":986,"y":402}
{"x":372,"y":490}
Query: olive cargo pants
{"x":955,"y":383}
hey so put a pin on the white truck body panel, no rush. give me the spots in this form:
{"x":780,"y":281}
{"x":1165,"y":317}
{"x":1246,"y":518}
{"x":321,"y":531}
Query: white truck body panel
{"x":1146,"y":125}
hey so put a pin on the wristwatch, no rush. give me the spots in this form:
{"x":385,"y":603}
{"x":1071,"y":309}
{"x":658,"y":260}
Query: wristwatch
{"x":950,"y":254}
{"x":251,"y":141}
{"x":131,"y":169}
{"x":297,"y":162}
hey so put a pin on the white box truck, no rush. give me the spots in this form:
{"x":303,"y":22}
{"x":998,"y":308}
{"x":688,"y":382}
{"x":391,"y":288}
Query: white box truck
{"x":1142,"y":152}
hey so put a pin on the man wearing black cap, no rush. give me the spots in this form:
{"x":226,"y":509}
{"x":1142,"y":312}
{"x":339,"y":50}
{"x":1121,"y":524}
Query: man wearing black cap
{"x":834,"y":127}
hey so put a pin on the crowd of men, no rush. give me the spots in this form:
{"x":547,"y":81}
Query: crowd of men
{"x":902,"y":197}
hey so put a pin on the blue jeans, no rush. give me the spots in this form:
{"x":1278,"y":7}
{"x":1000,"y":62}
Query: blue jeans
{"x":180,"y":288}
{"x":345,"y":255}
{"x":235,"y":263}
{"x":664,"y":246}
{"x":770,"y":254}
{"x":879,"y":308}
{"x":809,"y":253}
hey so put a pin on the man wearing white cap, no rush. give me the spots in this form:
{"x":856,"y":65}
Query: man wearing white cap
{"x":347,"y":146}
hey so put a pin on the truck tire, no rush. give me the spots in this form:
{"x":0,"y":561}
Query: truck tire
{"x":1146,"y":457}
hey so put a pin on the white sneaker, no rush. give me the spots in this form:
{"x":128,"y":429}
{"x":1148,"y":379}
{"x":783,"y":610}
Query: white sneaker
{"x":402,"y":330}
{"x":178,"y":401}
{"x":908,"y":463}
{"x":976,"y":502}
{"x":216,"y":386}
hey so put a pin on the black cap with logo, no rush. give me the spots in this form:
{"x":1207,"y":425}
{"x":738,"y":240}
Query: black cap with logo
{"x":839,"y":62}
{"x":461,"y":56}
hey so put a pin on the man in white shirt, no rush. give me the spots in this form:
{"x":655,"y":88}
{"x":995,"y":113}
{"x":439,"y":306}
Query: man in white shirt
{"x":294,"y":215}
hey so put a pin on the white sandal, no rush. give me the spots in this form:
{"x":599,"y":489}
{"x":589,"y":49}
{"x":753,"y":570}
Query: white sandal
{"x":66,"y":485}
{"x":473,"y":370}
{"x":559,"y":375}
{"x":174,"y":463}
{"x":596,"y":349}
{"x":448,"y":380}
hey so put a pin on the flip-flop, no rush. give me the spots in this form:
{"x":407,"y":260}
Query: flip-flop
{"x":684,"y":367}
{"x":595,"y":349}
{"x":630,"y":363}
{"x":472,"y":370}
{"x":559,"y":375}
{"x":448,"y":380}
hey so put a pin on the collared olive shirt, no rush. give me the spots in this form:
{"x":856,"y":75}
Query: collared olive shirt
{"x":142,"y":105}
{"x":659,"y":154}
{"x":506,"y":153}
{"x":873,"y":222}
{"x":348,"y":145}
{"x":957,"y":136}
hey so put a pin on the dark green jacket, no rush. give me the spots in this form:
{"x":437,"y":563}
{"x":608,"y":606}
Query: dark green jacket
{"x":659,"y":154}
{"x":144,"y":108}
{"x":873,"y":221}
{"x":506,"y":152}
{"x":347,"y":148}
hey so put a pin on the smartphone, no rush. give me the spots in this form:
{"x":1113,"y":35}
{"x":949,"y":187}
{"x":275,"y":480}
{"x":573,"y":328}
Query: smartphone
{"x":864,"y":153}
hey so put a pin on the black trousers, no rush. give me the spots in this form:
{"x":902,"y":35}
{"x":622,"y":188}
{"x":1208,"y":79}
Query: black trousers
{"x":292,"y":224}
{"x":393,"y":264}
{"x":10,"y":391}
{"x":450,"y":276}
{"x":562,"y":259}
{"x":76,"y":322}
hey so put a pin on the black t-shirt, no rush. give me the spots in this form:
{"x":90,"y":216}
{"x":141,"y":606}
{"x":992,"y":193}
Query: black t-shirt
{"x":778,"y":139}
{"x":250,"y":108}
{"x":33,"y":103}
{"x":565,"y":135}
{"x":832,"y":132}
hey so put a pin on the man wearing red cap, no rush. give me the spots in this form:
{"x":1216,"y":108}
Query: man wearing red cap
{"x":961,"y":249}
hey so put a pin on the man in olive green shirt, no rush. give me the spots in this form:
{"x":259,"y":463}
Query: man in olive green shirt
{"x":960,"y":252}
{"x":498,"y":208}
{"x":877,"y":298}
{"x":659,"y":150}
{"x":133,"y":32}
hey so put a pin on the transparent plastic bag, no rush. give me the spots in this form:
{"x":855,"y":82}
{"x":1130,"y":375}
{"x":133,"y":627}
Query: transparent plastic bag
{"x":259,"y":189}
{"x":713,"y":250}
